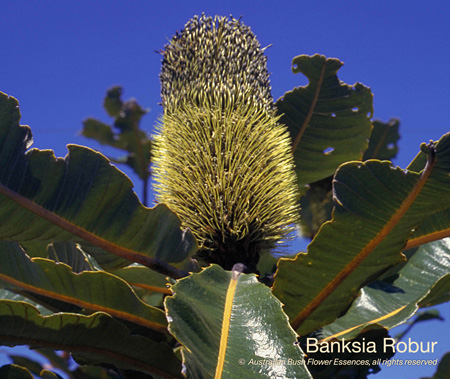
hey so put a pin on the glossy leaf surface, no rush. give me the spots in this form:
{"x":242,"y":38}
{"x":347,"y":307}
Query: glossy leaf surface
{"x":394,"y":299}
{"x":230,"y":324}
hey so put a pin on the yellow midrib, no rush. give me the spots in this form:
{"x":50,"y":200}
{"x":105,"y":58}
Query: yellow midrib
{"x":371,"y":322}
{"x":226,"y":324}
{"x":365,"y":252}
{"x":84,"y":303}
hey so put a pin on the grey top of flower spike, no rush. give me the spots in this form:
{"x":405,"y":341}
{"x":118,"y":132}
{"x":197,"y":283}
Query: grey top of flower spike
{"x":214,"y":54}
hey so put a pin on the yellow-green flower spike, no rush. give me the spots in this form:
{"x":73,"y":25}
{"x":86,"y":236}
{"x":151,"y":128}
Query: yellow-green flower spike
{"x":223,"y":163}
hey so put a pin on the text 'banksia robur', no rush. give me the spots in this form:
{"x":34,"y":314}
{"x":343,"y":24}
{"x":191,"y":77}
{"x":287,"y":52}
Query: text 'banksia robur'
{"x":223,"y":163}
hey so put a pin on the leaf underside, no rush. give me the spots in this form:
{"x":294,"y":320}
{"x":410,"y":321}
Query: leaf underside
{"x":98,"y":291}
{"x":97,"y":338}
{"x":329,"y":121}
{"x":81,"y":198}
{"x":376,"y":208}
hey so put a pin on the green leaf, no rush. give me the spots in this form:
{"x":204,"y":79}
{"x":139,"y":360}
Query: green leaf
{"x":392,"y":301}
{"x":30,"y":364}
{"x":47,"y":374}
{"x":440,"y":293}
{"x":14,"y":372}
{"x":97,"y":291}
{"x":99,"y":131}
{"x":150,"y":286}
{"x":7,"y":294}
{"x":315,"y":207}
{"x":443,"y":368}
{"x":432,"y":228}
{"x":56,"y":360}
{"x":128,"y":137}
{"x":337,"y":369}
{"x":383,"y":140}
{"x":70,"y":254}
{"x":81,"y":198}
{"x":230,"y":324}
{"x":376,"y":208}
{"x":113,"y":103}
{"x":432,"y":314}
{"x":329,"y":121}
{"x":97,"y":338}
{"x":142,"y":277}
{"x":35,"y":249}
{"x":316,"y":204}
{"x":62,"y":363}
{"x":97,"y":372}
{"x":267,"y":264}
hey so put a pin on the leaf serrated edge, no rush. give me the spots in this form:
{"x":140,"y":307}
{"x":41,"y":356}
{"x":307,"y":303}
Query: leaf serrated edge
{"x":365,"y":252}
{"x":133,"y":256}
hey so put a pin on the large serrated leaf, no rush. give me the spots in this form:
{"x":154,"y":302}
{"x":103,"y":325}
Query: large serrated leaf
{"x":98,"y":291}
{"x":80,"y":198}
{"x":395,"y":299}
{"x":97,"y":338}
{"x":316,"y":204}
{"x":231,"y":326}
{"x":376,"y":209}
{"x":329,"y":121}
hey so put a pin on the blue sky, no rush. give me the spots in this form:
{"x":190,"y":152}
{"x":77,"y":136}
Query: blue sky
{"x":59,"y":57}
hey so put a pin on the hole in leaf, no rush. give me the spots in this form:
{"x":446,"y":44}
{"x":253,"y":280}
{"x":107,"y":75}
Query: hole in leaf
{"x":355,"y":109}
{"x":390,"y":146}
{"x":333,"y":115}
{"x":295,"y":66}
{"x":369,"y":114}
{"x":328,"y":150}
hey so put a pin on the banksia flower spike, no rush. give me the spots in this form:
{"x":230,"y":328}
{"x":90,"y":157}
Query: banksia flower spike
{"x":213,"y":55}
{"x":223,"y":163}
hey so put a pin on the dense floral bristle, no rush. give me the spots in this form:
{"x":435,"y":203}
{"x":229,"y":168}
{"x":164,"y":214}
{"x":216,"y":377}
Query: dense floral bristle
{"x":214,"y":54}
{"x":223,"y":163}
